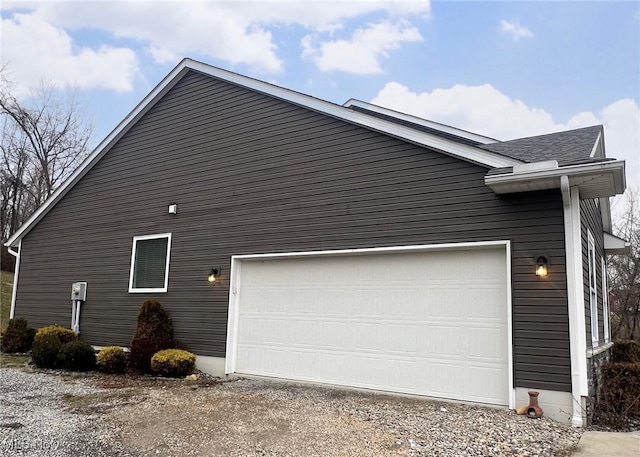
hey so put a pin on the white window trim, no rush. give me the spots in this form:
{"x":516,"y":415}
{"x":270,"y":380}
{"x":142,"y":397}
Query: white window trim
{"x":593,"y":290}
{"x":133,"y":260}
{"x":605,"y":302}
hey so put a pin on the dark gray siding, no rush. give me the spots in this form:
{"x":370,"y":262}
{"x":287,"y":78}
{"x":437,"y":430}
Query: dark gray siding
{"x":252,"y":174}
{"x":591,"y":219}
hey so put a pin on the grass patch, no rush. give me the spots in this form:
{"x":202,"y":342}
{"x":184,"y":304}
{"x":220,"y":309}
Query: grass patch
{"x":13,"y":361}
{"x":101,"y":402}
{"x":6,"y":289}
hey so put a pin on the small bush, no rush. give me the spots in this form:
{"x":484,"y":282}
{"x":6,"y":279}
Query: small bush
{"x":619,"y":402}
{"x":44,"y":352}
{"x":625,"y":351}
{"x":63,"y":334}
{"x":154,"y":332}
{"x":112,"y":359}
{"x":18,"y":337}
{"x":173,"y":362}
{"x":77,"y":355}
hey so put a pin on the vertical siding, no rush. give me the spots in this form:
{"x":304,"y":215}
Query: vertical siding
{"x":252,"y":174}
{"x":591,"y":219}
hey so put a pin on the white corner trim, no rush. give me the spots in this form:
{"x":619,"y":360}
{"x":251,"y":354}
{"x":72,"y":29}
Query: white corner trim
{"x":233,"y":316}
{"x":16,"y":272}
{"x":512,"y":389}
{"x":236,"y":274}
{"x":138,"y":290}
{"x":575,"y":299}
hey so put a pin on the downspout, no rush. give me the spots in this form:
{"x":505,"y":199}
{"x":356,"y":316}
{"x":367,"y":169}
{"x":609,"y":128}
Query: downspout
{"x":16,"y":270}
{"x":575,"y":299}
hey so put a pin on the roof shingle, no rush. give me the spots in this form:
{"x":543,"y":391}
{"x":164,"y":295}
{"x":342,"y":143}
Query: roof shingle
{"x":569,"y":147}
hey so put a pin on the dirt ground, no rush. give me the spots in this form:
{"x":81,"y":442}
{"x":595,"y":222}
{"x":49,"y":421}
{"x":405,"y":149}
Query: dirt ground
{"x":257,"y":417}
{"x":237,"y":417}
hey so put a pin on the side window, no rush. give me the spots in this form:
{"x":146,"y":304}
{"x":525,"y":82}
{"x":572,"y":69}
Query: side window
{"x":593,"y":294}
{"x":150,"y":263}
{"x":605,"y":302}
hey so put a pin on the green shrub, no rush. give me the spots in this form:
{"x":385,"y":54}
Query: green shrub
{"x":112,"y":359}
{"x":18,"y":337}
{"x":173,"y":362}
{"x":625,"y":351}
{"x":44,"y":352}
{"x":154,"y":332}
{"x":77,"y":355}
{"x":63,"y":334}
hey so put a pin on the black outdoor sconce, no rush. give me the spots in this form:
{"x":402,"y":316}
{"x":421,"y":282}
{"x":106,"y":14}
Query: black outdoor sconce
{"x":214,"y":274}
{"x":542,"y":265}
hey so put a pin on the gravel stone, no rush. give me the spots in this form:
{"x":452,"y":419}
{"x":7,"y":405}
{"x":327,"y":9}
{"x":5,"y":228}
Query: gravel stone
{"x":35,"y":421}
{"x":253,"y":417}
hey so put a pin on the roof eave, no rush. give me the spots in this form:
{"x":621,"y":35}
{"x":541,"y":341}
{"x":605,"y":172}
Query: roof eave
{"x":594,"y":180}
{"x":616,"y":246}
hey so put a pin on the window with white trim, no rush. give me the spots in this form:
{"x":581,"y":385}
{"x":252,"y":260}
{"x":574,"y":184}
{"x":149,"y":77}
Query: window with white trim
{"x":593,"y":293}
{"x":150,"y":263}
{"x":605,"y":303}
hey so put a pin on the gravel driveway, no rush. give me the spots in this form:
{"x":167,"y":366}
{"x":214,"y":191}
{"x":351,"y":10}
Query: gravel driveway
{"x":100,"y":415}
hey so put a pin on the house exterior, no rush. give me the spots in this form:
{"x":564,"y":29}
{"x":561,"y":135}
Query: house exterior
{"x":351,"y":245}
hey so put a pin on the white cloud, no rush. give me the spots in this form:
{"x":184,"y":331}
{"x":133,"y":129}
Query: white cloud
{"x":363,"y":52}
{"x":487,"y":111}
{"x":234,"y":31}
{"x":516,"y":30}
{"x":34,"y":50}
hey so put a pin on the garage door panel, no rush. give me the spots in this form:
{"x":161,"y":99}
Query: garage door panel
{"x":431,"y":323}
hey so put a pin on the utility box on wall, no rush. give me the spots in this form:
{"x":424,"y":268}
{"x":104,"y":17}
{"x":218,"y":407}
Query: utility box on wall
{"x":79,"y":291}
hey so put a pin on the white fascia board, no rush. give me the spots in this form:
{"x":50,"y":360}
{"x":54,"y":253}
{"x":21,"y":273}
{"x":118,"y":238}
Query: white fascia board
{"x":614,"y":245}
{"x":598,"y":147}
{"x":615,"y":169}
{"x":465,"y":152}
{"x":16,"y":273}
{"x":420,"y":121}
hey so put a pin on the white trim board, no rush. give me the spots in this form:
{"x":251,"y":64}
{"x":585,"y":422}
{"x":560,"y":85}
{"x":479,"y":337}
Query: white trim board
{"x":16,"y":272}
{"x":575,"y":299}
{"x":444,"y":145}
{"x":236,"y":270}
{"x":134,"y":244}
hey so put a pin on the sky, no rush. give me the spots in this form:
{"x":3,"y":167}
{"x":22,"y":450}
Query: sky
{"x":504,"y":69}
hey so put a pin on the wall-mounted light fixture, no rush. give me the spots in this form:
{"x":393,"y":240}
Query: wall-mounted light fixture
{"x":542,"y":265}
{"x":173,"y":209}
{"x":214,"y":274}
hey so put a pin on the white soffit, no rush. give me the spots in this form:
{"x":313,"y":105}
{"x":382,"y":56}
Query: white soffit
{"x":603,"y":179}
{"x":615,"y":245}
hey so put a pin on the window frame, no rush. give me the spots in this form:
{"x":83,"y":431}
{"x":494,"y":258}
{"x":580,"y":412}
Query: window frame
{"x":593,"y":290}
{"x":141,"y":290}
{"x":605,"y":302}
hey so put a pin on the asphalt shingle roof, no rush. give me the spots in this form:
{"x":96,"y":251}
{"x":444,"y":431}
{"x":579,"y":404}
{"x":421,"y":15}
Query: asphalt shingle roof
{"x":569,"y":147}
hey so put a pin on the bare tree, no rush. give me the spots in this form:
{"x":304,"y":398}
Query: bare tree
{"x":624,"y":274}
{"x":44,"y":138}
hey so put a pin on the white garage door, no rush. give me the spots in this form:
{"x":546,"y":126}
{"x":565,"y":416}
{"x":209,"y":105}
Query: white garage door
{"x":429,"y":323}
